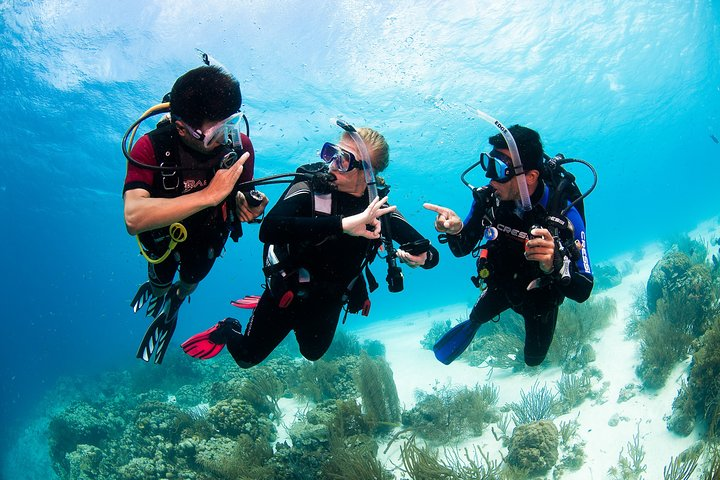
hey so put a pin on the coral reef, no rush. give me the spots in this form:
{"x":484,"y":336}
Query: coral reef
{"x":571,"y":448}
{"x":234,"y":417}
{"x":684,"y":465}
{"x":379,"y":394}
{"x":672,"y":266}
{"x":423,"y":463}
{"x":682,"y":299}
{"x":223,"y":427}
{"x":701,"y":395}
{"x":437,"y":330}
{"x":577,"y":327}
{"x":344,"y":344}
{"x":535,"y":405}
{"x":630,"y":461}
{"x":499,"y":344}
{"x":328,"y":379}
{"x":263,"y":389}
{"x":79,"y":424}
{"x":573,"y":390}
{"x":606,"y":276}
{"x":534,"y":447}
{"x":452,"y":412}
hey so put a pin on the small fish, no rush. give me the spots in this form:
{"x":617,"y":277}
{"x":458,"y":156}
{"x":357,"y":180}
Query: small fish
{"x":714,"y":138}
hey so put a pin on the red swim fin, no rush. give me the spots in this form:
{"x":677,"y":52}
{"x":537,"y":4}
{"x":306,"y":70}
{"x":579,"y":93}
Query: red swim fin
{"x":211,"y":342}
{"x":200,"y":346}
{"x":248,"y":301}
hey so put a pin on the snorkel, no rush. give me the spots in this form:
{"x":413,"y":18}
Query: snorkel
{"x":394,"y":276}
{"x":515,"y":155}
{"x":364,"y":157}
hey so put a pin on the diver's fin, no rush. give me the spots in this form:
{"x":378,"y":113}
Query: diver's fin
{"x":142,"y":296}
{"x":155,"y":305}
{"x":248,"y":301}
{"x":455,"y":341}
{"x":158,"y":335}
{"x":211,"y":342}
{"x":157,"y":338}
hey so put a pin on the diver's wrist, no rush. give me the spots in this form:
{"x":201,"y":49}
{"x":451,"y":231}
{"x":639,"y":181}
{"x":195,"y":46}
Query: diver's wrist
{"x":458,"y":230}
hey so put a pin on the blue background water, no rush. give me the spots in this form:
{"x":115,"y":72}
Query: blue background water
{"x":633,"y":87}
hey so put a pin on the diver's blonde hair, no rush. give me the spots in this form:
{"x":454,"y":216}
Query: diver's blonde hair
{"x":377,"y":147}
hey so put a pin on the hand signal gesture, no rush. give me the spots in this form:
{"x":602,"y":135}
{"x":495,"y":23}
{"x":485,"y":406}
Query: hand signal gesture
{"x":366,"y":223}
{"x":446,"y":221}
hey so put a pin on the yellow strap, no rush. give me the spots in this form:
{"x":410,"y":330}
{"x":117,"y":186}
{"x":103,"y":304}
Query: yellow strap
{"x":178,"y":234}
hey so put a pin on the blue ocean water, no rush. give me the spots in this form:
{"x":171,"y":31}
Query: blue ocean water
{"x":632,"y":87}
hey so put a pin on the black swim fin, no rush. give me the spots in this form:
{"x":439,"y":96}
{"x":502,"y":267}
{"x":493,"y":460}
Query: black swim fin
{"x":143,"y":295}
{"x":455,"y":341}
{"x":158,"y":335}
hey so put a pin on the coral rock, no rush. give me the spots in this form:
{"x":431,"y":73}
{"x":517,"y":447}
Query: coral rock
{"x":534,"y":447}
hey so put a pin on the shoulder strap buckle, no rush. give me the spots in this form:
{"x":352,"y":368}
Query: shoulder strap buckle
{"x":170,"y":178}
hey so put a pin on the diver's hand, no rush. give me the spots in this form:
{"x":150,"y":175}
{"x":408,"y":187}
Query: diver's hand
{"x":366,"y":223}
{"x":245,"y":212}
{"x":541,"y":249}
{"x":224,"y":181}
{"x":446,"y":221}
{"x":411,"y":260}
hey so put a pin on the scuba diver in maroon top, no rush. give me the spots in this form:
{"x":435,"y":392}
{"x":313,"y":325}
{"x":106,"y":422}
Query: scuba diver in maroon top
{"x":180,"y":194}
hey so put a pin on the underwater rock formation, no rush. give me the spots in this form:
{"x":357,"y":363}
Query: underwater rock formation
{"x":666,"y":272}
{"x":534,"y":447}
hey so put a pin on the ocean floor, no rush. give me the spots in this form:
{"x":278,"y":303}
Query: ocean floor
{"x":607,"y":422}
{"x":606,"y":425}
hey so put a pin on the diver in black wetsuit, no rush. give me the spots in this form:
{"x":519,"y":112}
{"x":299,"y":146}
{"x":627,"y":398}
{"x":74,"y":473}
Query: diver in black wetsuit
{"x":519,"y":263}
{"x":317,"y":245}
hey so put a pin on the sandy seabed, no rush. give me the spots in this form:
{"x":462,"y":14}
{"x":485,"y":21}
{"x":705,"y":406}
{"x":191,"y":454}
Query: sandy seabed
{"x":416,"y":369}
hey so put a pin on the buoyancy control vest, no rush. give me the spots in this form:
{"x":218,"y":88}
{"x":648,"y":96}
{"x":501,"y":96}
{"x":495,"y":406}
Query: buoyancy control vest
{"x":285,"y":276}
{"x":207,"y":228}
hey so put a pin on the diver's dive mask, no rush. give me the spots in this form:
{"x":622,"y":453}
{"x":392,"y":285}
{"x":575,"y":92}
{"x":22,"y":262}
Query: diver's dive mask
{"x":226,"y":132}
{"x":497,"y":166}
{"x":338,"y":157}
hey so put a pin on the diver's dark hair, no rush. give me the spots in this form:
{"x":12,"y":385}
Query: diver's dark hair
{"x":206,"y":93}
{"x":528,"y":143}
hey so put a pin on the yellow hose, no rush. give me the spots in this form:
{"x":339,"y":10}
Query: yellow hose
{"x":178,"y":234}
{"x":159,"y":108}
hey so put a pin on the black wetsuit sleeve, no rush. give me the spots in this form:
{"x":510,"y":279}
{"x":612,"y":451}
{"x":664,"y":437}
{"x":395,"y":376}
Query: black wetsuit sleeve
{"x":579,"y":288}
{"x":471,"y":233}
{"x":403,"y":232}
{"x":291,"y":220}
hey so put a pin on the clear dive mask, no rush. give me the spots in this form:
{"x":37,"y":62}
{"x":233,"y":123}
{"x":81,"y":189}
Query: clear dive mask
{"x":226,"y":132}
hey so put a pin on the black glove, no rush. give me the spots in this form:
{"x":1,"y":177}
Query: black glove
{"x":223,"y":331}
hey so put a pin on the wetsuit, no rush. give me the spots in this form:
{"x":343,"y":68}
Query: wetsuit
{"x":315,"y":241}
{"x":208,"y":229}
{"x":511,"y":273}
